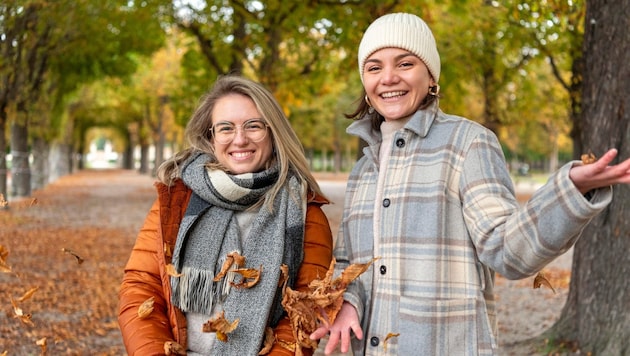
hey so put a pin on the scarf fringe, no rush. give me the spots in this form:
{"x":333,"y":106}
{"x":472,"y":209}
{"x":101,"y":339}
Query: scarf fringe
{"x":195,"y":290}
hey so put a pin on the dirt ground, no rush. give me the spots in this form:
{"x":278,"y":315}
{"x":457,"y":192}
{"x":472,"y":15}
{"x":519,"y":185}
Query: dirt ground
{"x":93,"y":216}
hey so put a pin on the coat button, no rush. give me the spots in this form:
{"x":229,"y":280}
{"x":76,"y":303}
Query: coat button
{"x":386,"y":202}
{"x":374,"y":341}
{"x":383,"y":269}
{"x":400,"y":143}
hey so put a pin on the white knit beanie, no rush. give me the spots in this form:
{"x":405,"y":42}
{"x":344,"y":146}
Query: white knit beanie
{"x":401,"y":30}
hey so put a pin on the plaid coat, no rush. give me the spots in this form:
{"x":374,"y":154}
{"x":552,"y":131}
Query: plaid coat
{"x":448,"y":220}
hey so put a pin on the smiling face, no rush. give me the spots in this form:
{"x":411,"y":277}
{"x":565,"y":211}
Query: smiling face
{"x":241,"y":155}
{"x":396,"y":82}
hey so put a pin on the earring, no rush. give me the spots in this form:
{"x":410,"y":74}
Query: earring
{"x":371,"y":108}
{"x":434,"y":90}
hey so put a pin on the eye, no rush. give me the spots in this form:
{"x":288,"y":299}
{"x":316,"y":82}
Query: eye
{"x":224,"y":128}
{"x":406,"y":64}
{"x":254,"y":125}
{"x":372,"y":68}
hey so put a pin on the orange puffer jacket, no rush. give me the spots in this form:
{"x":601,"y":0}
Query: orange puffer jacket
{"x":145,"y":274}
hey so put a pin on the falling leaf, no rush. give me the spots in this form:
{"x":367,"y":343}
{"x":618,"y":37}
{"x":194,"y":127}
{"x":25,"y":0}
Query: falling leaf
{"x":171,"y":271}
{"x":146,"y":308}
{"x":27,"y":295}
{"x":540,"y":279}
{"x":3,"y":202}
{"x":70,"y":252}
{"x":270,"y":338}
{"x":233,"y":258}
{"x":321,"y":303}
{"x":250,"y":277}
{"x":588,"y":158}
{"x":19,"y":314}
{"x":220,"y":326}
{"x":173,"y":348}
{"x":43,"y":344}
{"x":4,"y":253}
{"x":389,"y":336}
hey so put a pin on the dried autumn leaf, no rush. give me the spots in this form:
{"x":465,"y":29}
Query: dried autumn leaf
{"x":284,"y":275}
{"x":146,"y":308}
{"x":588,"y":158}
{"x":27,"y":295}
{"x":4,"y":253}
{"x":19,"y":314}
{"x":233,"y":258}
{"x":389,"y":336}
{"x":220,"y":326}
{"x":540,"y":280}
{"x":250,"y":277}
{"x":167,"y":250}
{"x":70,"y":252}
{"x":173,"y":348}
{"x":171,"y":271}
{"x":270,"y":338}
{"x":34,"y":201}
{"x":3,"y":202}
{"x":43,"y":344}
{"x":321,"y":303}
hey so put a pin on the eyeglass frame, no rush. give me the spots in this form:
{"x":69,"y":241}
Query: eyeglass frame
{"x":236,"y":128}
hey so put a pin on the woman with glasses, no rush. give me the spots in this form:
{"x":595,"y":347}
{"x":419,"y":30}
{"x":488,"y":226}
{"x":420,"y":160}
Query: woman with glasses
{"x":241,"y":198}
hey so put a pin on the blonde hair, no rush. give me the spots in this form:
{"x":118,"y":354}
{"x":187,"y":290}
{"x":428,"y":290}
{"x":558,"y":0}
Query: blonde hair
{"x":287,"y":148}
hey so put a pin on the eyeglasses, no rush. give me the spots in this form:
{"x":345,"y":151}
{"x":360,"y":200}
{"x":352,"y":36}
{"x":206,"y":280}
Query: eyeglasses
{"x":224,"y":132}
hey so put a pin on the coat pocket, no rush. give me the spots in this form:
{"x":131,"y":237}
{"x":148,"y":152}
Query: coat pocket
{"x":444,"y":327}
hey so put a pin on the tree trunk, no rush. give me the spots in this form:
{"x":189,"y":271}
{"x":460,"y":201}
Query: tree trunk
{"x":3,"y":159}
{"x":595,"y":315}
{"x":41,"y":168}
{"x":20,"y":166}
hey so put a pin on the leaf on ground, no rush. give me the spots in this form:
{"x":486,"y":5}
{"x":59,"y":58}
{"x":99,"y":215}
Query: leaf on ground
{"x":70,"y":252}
{"x":146,"y":308}
{"x":321,"y":303}
{"x":173,"y":348}
{"x":541,"y":280}
{"x":220,"y":326}
{"x":233,"y":258}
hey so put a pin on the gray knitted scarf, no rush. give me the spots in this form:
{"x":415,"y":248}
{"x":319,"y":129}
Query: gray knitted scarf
{"x":209,"y":231}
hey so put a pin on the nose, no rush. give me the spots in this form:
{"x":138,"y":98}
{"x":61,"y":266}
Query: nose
{"x":389,"y":76}
{"x":240,"y":138}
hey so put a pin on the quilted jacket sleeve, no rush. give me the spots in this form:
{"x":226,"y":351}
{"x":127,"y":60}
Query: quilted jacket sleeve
{"x":142,"y":281}
{"x":317,"y":257}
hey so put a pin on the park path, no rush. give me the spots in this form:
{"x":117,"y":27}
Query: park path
{"x":95,"y":214}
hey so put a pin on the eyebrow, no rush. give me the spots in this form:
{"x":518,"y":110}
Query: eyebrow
{"x":398,"y":57}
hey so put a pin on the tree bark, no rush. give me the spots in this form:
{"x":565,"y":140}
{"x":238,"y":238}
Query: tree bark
{"x":595,"y":315}
{"x":20,"y":166}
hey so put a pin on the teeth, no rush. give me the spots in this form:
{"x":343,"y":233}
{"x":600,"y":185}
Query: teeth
{"x":392,"y":94}
{"x":241,"y":154}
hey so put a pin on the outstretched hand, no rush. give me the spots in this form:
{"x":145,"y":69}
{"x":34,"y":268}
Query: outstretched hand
{"x":599,"y":174}
{"x":347,"y":320}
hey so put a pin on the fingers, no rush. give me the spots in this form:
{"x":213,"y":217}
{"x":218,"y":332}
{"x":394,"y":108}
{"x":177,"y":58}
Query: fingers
{"x":333,"y":340}
{"x":319,"y":333}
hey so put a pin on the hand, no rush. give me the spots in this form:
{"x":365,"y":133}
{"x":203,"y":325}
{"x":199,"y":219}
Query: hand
{"x":599,"y":174}
{"x":347,"y":320}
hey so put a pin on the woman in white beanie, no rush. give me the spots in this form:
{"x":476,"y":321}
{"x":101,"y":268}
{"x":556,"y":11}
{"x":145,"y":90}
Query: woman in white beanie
{"x":432,"y":199}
